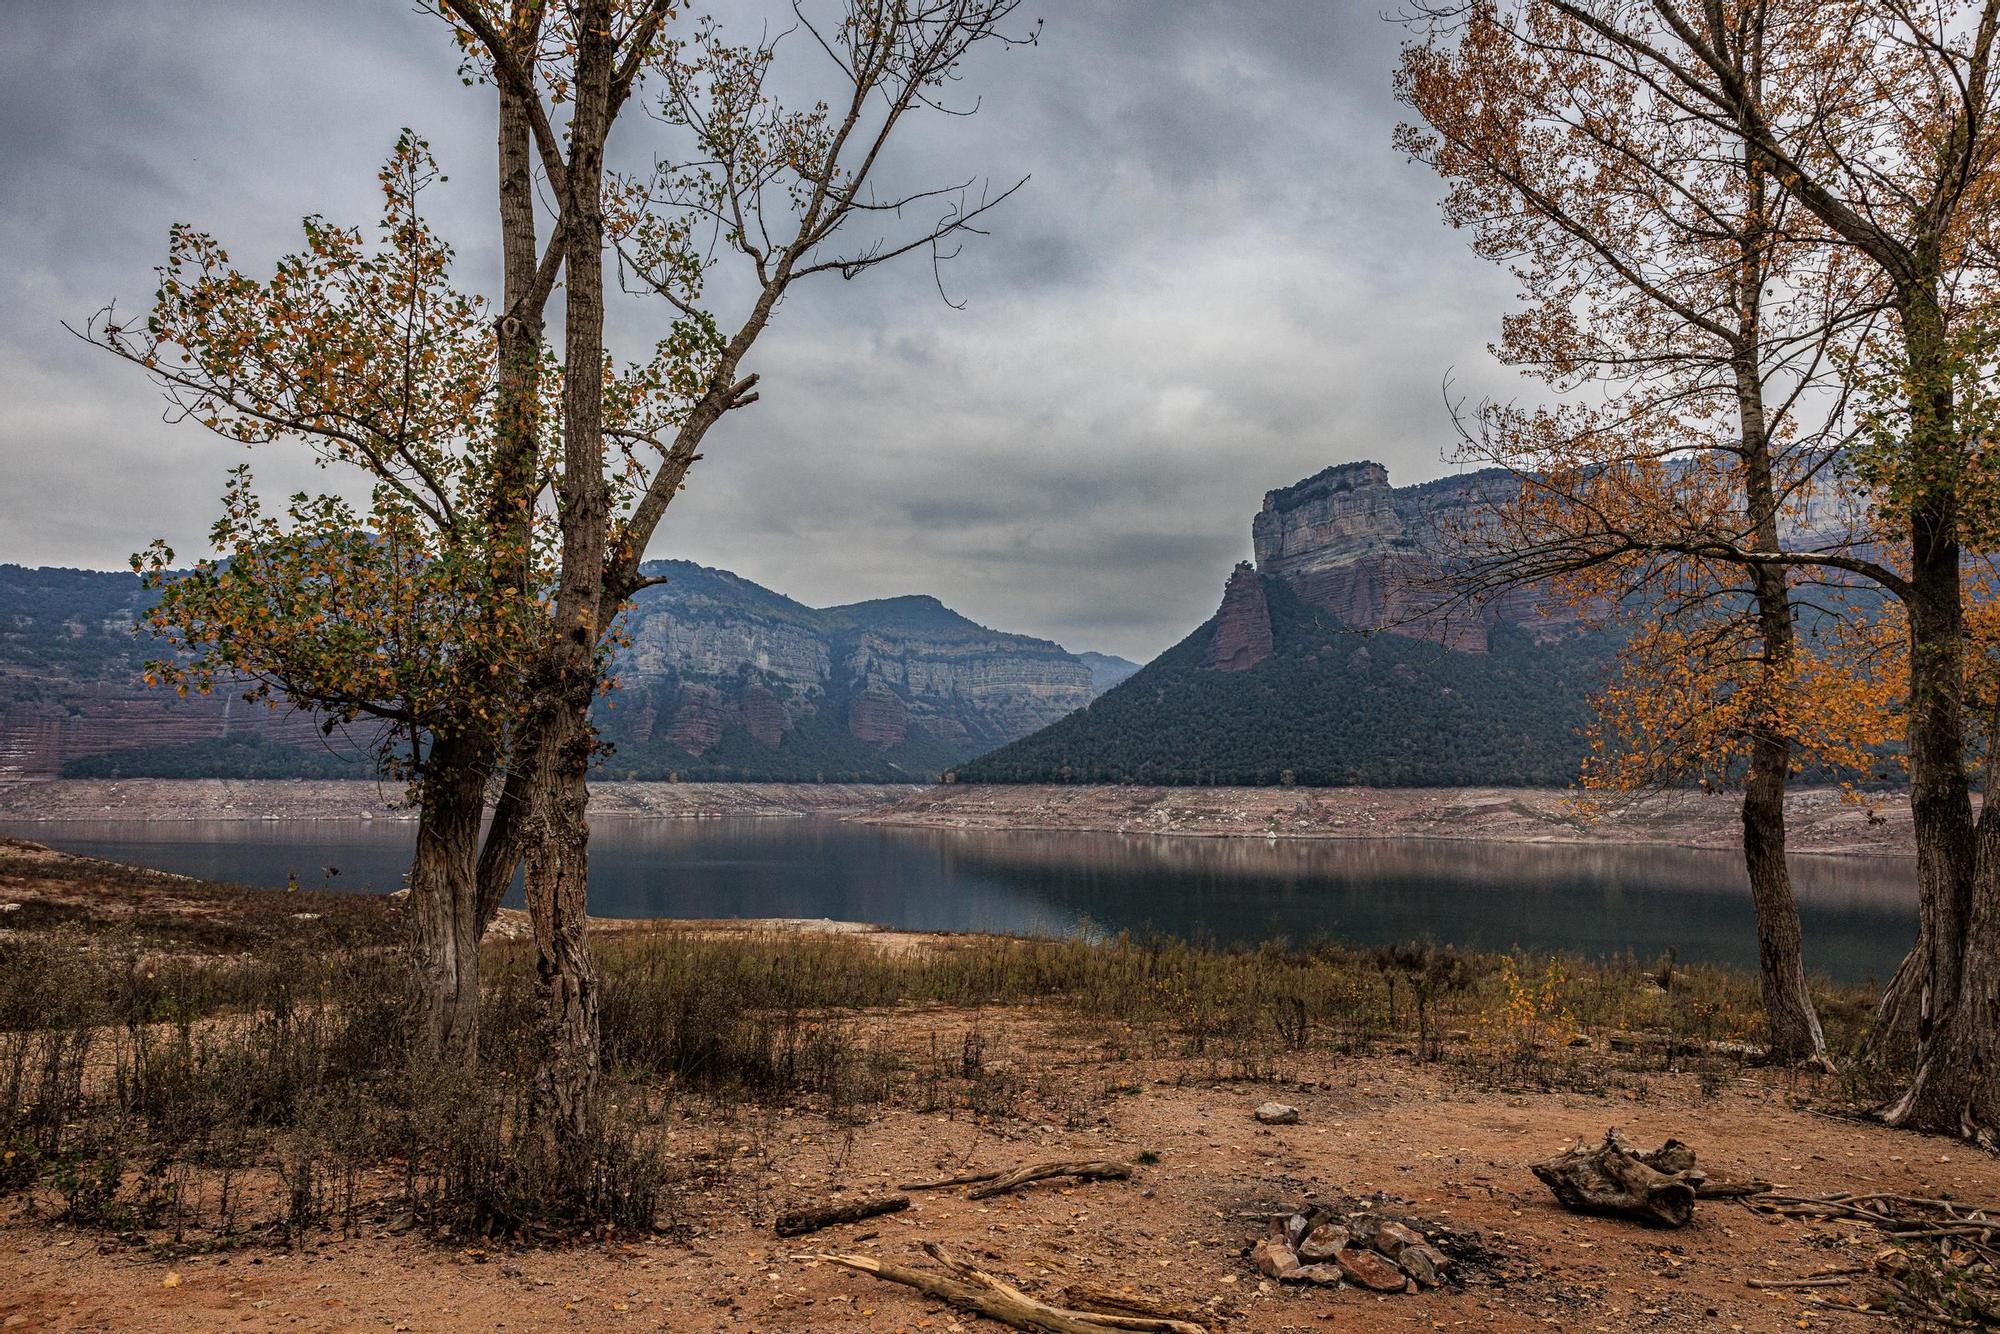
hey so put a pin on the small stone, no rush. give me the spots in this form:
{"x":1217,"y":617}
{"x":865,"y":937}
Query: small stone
{"x":1392,"y":1238}
{"x":1323,"y":1243}
{"x":1273,"y":1259}
{"x":1324,"y":1275}
{"x":1370,"y":1271}
{"x":1422,"y":1263}
{"x":1278,"y":1114}
{"x":1295,"y":1230}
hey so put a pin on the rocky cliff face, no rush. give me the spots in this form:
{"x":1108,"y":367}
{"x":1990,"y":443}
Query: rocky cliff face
{"x":1349,"y":543}
{"x":721,"y":671}
{"x":71,"y":688}
{"x":722,"y":678}
{"x":1242,"y":637}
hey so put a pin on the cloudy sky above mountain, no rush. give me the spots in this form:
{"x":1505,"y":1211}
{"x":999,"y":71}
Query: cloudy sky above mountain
{"x":1219,"y":278}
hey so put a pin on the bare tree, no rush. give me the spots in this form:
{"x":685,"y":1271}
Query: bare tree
{"x":777,"y":188}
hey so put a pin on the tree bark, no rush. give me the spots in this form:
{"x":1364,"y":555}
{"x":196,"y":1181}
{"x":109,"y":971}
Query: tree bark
{"x":1918,"y":1011}
{"x":1956,"y":1089}
{"x":441,"y":915}
{"x":564,"y":1093}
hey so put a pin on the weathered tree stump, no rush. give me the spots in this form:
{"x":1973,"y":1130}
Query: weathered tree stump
{"x":1614,"y":1178}
{"x":798,"y":1222}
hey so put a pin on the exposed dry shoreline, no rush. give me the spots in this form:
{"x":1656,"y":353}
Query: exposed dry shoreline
{"x":1819,"y":820}
{"x":360,"y":799}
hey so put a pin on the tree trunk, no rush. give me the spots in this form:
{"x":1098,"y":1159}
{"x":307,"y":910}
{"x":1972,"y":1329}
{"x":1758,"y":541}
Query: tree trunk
{"x":500,"y":855}
{"x":564,"y":1095}
{"x":1788,"y":1007}
{"x":1927,"y":989}
{"x":441,"y":922}
{"x":1956,"y":1089}
{"x":515,"y":478}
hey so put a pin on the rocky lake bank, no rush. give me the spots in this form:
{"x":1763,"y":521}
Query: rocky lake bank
{"x":1821,"y":820}
{"x":69,"y":799}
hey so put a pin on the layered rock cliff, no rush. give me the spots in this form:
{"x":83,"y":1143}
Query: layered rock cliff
{"x":1242,"y":635}
{"x":1349,"y":543}
{"x":721,"y":679}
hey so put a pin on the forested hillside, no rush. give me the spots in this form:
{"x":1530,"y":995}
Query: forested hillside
{"x":1329,"y":705}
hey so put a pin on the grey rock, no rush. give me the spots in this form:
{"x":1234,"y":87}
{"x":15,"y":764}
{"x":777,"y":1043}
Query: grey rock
{"x":1323,"y":1243}
{"x":1425,"y":1264}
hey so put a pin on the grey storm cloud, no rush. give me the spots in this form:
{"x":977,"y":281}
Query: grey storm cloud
{"x":1219,"y":278}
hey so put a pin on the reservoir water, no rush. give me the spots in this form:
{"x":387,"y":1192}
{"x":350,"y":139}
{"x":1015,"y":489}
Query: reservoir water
{"x":1859,"y":913}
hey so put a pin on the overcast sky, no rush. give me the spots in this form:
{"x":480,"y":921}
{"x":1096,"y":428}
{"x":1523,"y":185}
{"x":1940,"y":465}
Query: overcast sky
{"x":1220,"y":279}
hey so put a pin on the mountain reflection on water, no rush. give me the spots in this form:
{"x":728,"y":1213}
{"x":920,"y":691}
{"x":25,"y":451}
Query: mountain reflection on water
{"x":1858,"y":912}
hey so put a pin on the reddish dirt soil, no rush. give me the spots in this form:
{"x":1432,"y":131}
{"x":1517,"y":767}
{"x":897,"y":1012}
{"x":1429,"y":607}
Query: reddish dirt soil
{"x":1454,"y":1147}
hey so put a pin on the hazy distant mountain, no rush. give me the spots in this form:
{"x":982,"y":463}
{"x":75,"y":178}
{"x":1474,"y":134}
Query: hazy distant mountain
{"x":1106,"y":670}
{"x":727,"y":679}
{"x":723,"y":679}
{"x":1317,"y":668}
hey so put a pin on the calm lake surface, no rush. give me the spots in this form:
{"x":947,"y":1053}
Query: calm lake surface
{"x":1859,"y":912}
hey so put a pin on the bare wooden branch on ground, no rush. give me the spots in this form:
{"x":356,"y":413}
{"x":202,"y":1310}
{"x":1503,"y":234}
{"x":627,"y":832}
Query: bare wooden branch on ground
{"x":976,"y":1290}
{"x":1087,"y":1297}
{"x":962,"y":1179}
{"x":798,"y":1222}
{"x":1021,"y":1176}
{"x":1722,"y":1188}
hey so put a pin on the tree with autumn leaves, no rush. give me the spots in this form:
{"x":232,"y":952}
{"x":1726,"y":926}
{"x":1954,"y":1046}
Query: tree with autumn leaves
{"x":1661,"y":268}
{"x":1866,"y":126}
{"x":529,"y":516}
{"x":403,"y":615}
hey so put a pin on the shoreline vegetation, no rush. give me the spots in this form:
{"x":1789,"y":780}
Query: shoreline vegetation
{"x":1819,"y":820}
{"x":211,"y":1118}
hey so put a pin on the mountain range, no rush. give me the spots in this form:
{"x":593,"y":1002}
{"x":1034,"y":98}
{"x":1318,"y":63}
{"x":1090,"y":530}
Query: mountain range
{"x":1320,"y":666}
{"x":722,"y":679}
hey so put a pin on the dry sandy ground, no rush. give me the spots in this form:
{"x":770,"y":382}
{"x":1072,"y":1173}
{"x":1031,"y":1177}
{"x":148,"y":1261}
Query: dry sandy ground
{"x":1457,"y":1152}
{"x":1817,"y":819}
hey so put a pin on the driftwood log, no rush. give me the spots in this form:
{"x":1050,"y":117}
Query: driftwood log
{"x":1615,"y":1178}
{"x":976,"y":1290}
{"x":798,"y":1222}
{"x":1021,"y":1176}
{"x":1086,"y":1297}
